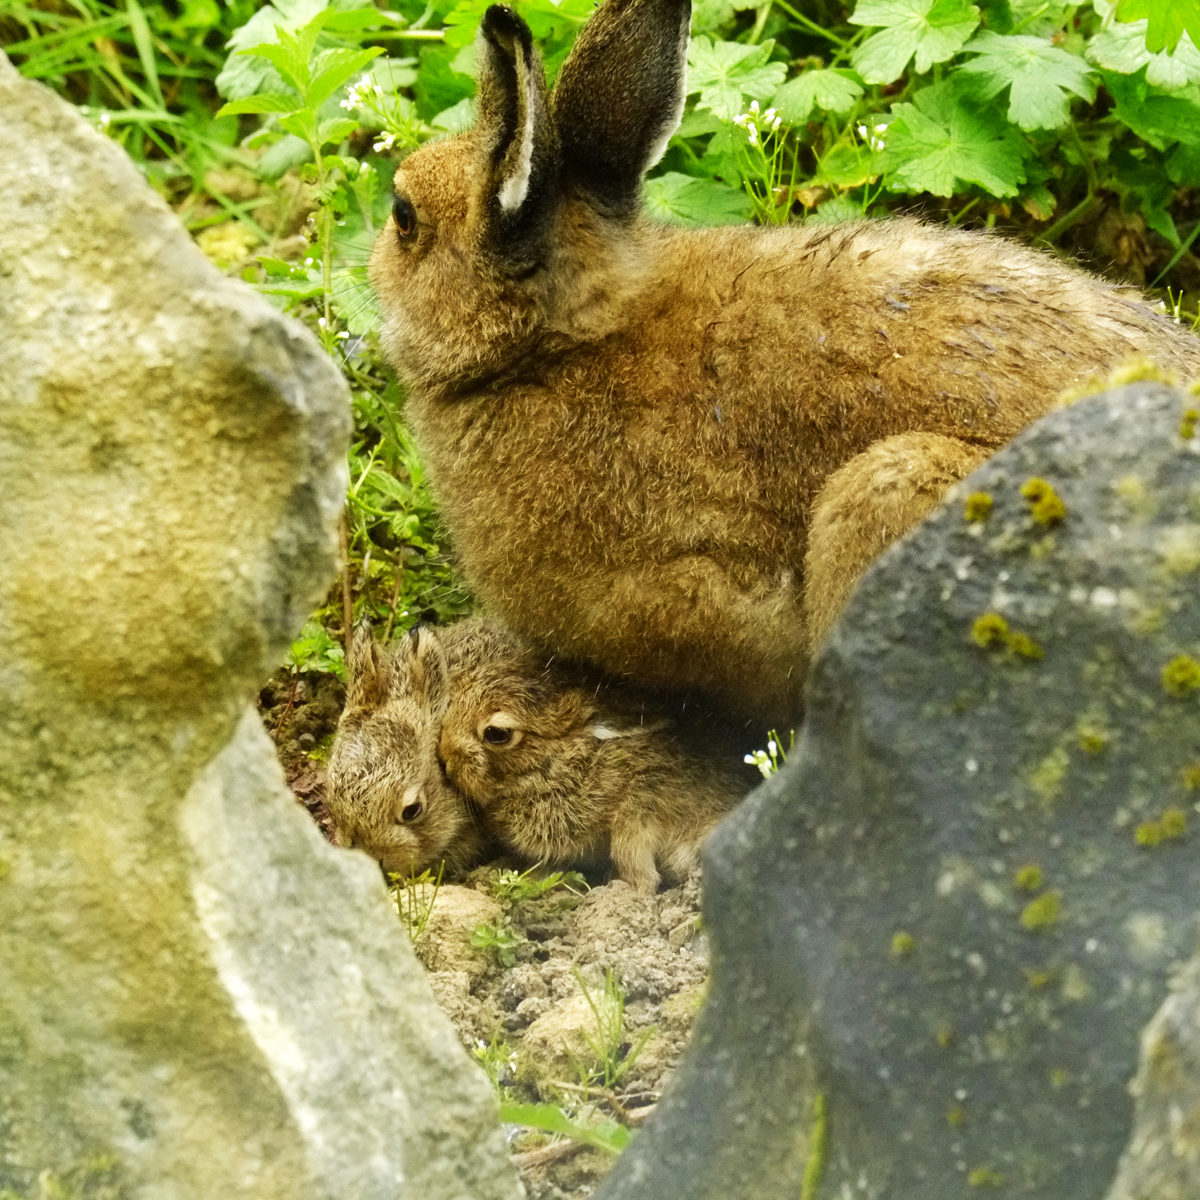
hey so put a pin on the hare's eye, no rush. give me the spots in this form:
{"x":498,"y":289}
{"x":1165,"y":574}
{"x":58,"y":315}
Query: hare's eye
{"x":410,"y":812}
{"x":497,"y":735}
{"x":405,"y":217}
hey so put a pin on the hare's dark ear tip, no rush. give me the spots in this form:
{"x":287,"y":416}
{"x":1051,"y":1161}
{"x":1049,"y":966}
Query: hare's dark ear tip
{"x":501,"y":23}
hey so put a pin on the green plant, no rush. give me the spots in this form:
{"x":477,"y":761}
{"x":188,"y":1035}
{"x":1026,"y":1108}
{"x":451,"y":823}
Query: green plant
{"x":515,"y":887}
{"x":611,"y":1055}
{"x":414,"y":897}
{"x":602,"y":1133}
{"x":500,"y":940}
{"x":498,"y":1060}
{"x":769,"y":761}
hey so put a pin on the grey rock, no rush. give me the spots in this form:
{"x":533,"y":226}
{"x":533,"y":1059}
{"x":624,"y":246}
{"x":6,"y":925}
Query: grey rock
{"x":950,"y":917}
{"x":200,"y":997}
{"x":1162,"y":1160}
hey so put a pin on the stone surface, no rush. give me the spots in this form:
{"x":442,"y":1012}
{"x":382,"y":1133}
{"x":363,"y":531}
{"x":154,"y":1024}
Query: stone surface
{"x":954,"y":912}
{"x":1162,"y":1160}
{"x":200,"y":998}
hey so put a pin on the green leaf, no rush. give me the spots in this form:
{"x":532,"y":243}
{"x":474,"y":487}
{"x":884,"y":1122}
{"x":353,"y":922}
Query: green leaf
{"x":291,"y":65}
{"x":1038,"y":77}
{"x":604,"y":1135}
{"x":1166,"y":20}
{"x":1122,"y":48}
{"x":931,"y":30}
{"x":937,"y":143}
{"x":1157,"y":117}
{"x":264,"y":102}
{"x":335,"y":130}
{"x":824,"y":90}
{"x":849,"y":164}
{"x":333,"y":68}
{"x":728,"y":75}
{"x":685,"y":200}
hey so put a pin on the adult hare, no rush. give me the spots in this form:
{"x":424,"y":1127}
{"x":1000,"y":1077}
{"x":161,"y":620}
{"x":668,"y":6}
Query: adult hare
{"x":672,"y":452}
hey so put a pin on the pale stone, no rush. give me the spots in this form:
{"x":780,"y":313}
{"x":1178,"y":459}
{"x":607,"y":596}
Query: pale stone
{"x":200,"y":998}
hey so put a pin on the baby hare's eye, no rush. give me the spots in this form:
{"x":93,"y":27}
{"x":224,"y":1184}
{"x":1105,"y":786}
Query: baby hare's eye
{"x":410,"y":812}
{"x":405,"y":217}
{"x":499,"y":729}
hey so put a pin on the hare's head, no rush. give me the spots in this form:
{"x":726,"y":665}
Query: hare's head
{"x":522,"y":227}
{"x":387,"y":794}
{"x":509,"y":716}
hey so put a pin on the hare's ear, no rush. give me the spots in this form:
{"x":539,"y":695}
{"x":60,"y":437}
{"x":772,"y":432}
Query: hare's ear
{"x":517,"y":135}
{"x":428,"y":673}
{"x":620,"y":96}
{"x":368,"y":669}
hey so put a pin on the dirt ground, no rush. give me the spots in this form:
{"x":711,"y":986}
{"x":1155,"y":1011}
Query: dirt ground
{"x":575,"y":996}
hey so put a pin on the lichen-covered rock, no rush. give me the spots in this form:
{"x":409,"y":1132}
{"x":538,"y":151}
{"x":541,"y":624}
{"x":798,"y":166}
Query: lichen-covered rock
{"x":200,"y":998}
{"x":1162,"y":1161}
{"x":949,"y":919}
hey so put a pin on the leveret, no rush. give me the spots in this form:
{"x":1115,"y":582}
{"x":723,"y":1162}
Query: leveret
{"x":671,"y":453}
{"x":561,"y":770}
{"x":386,"y":791}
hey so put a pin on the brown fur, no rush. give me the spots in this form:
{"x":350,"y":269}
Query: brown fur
{"x":582,"y":774}
{"x":672,"y":452}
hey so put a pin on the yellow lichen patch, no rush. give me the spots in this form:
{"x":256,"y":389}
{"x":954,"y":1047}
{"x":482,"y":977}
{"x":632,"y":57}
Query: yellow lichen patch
{"x":1171,"y":826}
{"x":984,"y":1177}
{"x":1028,"y":878}
{"x":1179,"y":551}
{"x":990,"y":629}
{"x":1190,"y":777}
{"x":1047,"y":777}
{"x":978,"y":506}
{"x":1046,"y":506}
{"x":1181,"y":676}
{"x":903,"y":944}
{"x":1187,"y":423}
{"x":956,"y":1116}
{"x":1038,"y":977}
{"x":1091,"y":739}
{"x":1042,"y":912}
{"x":1023,"y":646}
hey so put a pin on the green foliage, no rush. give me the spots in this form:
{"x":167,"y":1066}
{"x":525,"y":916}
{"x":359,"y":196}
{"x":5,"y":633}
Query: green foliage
{"x":500,"y":940}
{"x":515,"y":887}
{"x":414,"y":897}
{"x":601,"y":1133}
{"x":612,"y":1055}
{"x":769,"y":761}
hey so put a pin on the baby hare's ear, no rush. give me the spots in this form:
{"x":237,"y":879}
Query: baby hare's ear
{"x":517,"y":135}
{"x":368,"y":669}
{"x":427,"y":673}
{"x":620,"y":96}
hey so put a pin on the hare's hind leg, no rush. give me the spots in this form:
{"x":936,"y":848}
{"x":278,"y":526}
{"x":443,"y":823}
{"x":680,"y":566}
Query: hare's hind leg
{"x":633,"y":849}
{"x":864,"y":506}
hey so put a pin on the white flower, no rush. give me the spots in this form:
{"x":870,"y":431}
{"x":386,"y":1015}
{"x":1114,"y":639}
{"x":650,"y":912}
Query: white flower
{"x":752,"y":133}
{"x":385,"y":141}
